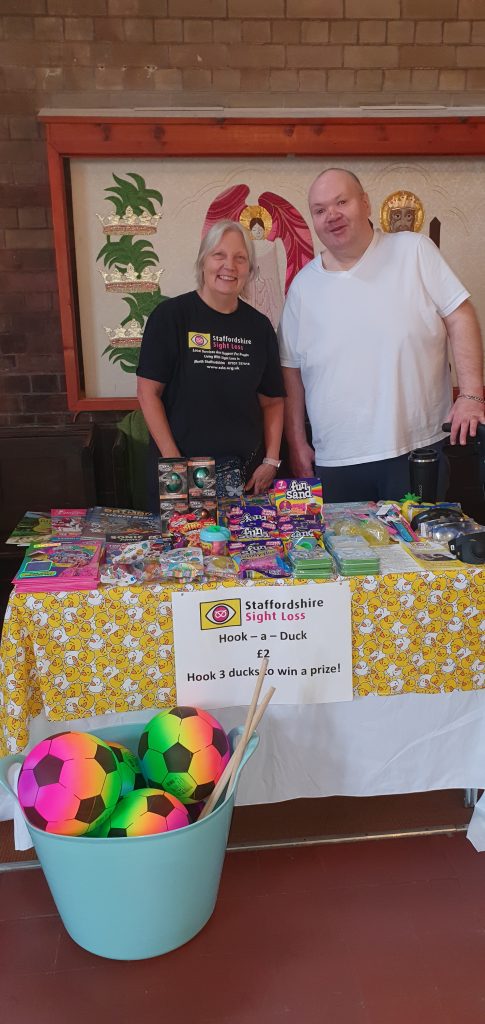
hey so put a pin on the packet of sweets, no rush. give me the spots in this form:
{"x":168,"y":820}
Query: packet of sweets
{"x":204,"y":509}
{"x":188,"y":527}
{"x":221,"y":566}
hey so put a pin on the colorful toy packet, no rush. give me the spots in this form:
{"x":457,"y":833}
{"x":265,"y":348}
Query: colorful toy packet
{"x":183,"y":529}
{"x":254,"y":547}
{"x":220,"y":566}
{"x":249,"y":523}
{"x":155,"y":566}
{"x":298,"y":497}
{"x":368,"y":527}
{"x":182,"y":564}
{"x":135,"y":550}
{"x":127,"y":574}
{"x":294,"y":527}
{"x":389,"y":512}
{"x":262,"y":566}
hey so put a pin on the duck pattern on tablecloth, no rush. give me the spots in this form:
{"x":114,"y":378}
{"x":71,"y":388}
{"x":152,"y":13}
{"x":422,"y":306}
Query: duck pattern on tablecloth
{"x":76,"y":655}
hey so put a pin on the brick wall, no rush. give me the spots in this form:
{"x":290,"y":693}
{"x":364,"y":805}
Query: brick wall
{"x":182,"y":53}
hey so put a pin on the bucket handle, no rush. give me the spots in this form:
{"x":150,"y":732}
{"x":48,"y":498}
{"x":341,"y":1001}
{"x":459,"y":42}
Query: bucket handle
{"x":5,"y":764}
{"x":234,"y":737}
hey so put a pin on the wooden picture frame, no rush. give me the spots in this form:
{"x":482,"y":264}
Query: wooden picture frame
{"x":103,"y":137}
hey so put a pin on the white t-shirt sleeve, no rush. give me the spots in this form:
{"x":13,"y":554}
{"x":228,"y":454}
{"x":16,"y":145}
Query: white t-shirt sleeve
{"x":443,"y":286}
{"x":288,"y":330}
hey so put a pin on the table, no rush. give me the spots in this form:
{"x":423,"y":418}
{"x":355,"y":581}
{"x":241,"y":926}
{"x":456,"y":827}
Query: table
{"x":78,"y":659}
{"x":110,"y":650}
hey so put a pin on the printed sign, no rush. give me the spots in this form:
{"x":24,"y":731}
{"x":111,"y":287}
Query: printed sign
{"x":304,"y":631}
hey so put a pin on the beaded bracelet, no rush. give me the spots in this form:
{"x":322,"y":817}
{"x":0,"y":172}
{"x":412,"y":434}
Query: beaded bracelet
{"x":473,"y":398}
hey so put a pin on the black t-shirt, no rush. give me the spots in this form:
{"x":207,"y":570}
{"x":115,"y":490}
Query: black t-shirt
{"x":214,"y":365}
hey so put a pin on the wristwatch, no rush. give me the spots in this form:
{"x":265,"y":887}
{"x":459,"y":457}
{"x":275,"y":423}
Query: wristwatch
{"x":272,"y":462}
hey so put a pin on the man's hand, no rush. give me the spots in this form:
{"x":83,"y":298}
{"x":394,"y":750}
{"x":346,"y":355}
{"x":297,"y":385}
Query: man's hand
{"x":464,"y":416}
{"x":302,"y":460}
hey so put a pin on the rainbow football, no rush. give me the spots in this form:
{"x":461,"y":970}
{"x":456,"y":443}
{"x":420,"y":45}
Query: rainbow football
{"x":146,"y":812}
{"x":69,"y":783}
{"x":129,"y":768}
{"x":184,"y":751}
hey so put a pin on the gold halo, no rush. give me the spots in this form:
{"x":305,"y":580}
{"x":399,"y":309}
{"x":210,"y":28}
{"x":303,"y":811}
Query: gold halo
{"x":250,"y":212}
{"x":398,"y":201}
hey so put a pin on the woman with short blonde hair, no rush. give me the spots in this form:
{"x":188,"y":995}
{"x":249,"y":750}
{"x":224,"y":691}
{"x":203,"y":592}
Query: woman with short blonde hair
{"x":209,"y":375}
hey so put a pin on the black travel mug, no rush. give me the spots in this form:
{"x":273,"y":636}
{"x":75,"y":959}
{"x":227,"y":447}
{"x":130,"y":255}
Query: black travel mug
{"x":423,"y":473}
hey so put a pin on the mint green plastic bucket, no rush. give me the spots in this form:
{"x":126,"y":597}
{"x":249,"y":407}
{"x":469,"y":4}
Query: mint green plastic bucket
{"x":134,"y":898}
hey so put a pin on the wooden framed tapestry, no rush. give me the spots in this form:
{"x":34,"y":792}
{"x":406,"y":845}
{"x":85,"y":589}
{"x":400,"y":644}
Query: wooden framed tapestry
{"x":132,"y":197}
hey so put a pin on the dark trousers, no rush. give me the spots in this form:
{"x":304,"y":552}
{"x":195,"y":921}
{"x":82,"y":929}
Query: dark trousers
{"x":387,"y":479}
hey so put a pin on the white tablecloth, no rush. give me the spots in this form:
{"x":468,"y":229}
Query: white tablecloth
{"x":367,"y":747}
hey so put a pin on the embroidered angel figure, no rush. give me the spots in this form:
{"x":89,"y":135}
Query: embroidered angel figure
{"x":282,"y":242}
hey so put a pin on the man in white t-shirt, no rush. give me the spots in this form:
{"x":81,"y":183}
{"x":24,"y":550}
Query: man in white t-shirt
{"x":363,"y":345}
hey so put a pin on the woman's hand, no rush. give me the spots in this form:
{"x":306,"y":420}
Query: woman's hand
{"x":262,"y":479}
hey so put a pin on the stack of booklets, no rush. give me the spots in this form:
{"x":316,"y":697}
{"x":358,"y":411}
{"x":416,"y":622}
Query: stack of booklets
{"x":59,"y":566}
{"x":33,"y":527}
{"x":95,"y":523}
{"x":314,"y":564}
{"x":115,"y":523}
{"x":67,"y":522}
{"x":353,"y":556}
{"x":429,"y":554}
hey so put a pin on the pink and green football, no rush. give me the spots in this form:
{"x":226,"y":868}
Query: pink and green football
{"x":69,"y":783}
{"x":184,"y":751}
{"x":129,"y":768}
{"x":146,"y":812}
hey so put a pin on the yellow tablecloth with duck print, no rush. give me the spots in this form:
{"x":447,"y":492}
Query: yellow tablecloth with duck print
{"x":74,"y":655}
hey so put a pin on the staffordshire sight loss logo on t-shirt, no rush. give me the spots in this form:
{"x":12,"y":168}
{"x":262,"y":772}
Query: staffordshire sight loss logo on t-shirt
{"x":219,"y":351}
{"x":199,"y":341}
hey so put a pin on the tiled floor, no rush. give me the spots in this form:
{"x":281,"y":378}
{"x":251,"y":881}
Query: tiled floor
{"x":381,"y":932}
